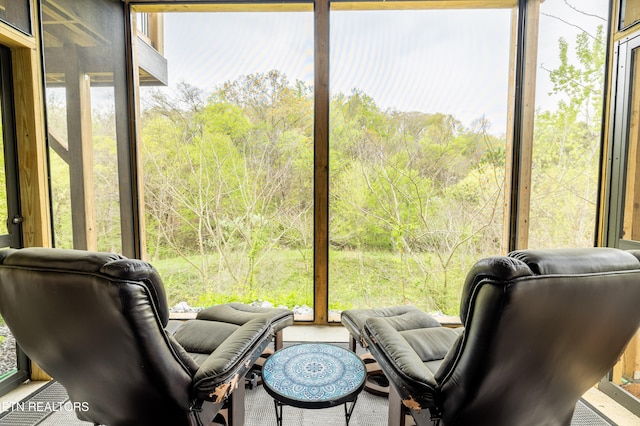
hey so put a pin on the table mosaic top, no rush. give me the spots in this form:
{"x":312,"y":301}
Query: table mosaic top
{"x":314,"y":375}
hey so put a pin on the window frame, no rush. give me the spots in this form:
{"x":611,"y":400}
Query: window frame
{"x":521,"y":110}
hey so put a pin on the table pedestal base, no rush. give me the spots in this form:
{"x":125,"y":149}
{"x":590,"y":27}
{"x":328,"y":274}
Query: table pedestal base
{"x":348,"y":410}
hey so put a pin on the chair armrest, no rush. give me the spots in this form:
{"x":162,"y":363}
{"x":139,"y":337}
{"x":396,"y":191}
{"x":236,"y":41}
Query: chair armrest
{"x":228,"y":364}
{"x":410,"y":358}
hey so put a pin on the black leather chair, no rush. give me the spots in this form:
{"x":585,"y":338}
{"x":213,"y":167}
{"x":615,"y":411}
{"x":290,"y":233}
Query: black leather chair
{"x":99,"y":324}
{"x":540,"y":328}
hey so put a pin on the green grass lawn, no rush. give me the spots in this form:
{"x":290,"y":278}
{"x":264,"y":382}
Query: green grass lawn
{"x":284,"y":277}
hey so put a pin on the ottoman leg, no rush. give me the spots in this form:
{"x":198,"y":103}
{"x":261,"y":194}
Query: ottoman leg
{"x":236,"y":407}
{"x":396,"y":411}
{"x":352,"y":343}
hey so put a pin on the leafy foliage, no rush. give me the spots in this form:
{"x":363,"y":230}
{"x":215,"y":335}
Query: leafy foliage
{"x":566,"y":149}
{"x":415,"y":198}
{"x":229,"y":190}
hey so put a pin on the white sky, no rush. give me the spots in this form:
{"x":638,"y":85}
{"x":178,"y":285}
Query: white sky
{"x":452,"y":62}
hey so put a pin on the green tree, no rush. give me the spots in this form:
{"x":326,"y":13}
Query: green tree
{"x":226,"y":178}
{"x":566,"y":147}
{"x":409,"y":185}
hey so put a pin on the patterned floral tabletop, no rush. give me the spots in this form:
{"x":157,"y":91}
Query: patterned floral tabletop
{"x":314,"y":375}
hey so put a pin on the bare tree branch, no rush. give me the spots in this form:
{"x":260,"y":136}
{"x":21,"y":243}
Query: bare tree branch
{"x":570,"y":24}
{"x":584,"y":13}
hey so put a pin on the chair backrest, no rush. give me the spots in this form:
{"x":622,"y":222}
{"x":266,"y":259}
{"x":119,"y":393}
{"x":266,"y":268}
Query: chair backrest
{"x":541,"y":328}
{"x":95,"y":322}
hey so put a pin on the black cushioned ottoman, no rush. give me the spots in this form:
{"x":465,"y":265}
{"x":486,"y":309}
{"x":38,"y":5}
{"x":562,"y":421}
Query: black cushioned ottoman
{"x":223,"y":324}
{"x":402,"y":317}
{"x":239,"y":313}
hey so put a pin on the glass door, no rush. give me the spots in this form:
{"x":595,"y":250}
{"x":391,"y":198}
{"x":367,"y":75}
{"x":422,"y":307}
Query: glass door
{"x":13,"y":363}
{"x":623,"y":219}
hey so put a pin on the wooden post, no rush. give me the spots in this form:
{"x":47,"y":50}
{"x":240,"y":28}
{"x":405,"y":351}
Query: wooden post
{"x":520,"y":139}
{"x":321,"y":163}
{"x":156,"y":31}
{"x":78,"y":86}
{"x":32,"y":156}
{"x":631,"y":219}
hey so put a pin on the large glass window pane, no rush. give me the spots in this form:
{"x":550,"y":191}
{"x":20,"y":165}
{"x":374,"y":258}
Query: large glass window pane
{"x":8,"y":352}
{"x":8,"y":362}
{"x":568,"y":123}
{"x":227,"y":148}
{"x":419,"y":102}
{"x":17,"y":13}
{"x":84,"y":65}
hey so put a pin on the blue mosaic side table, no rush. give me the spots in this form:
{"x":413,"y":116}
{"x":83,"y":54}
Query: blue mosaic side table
{"x":314,"y":375}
